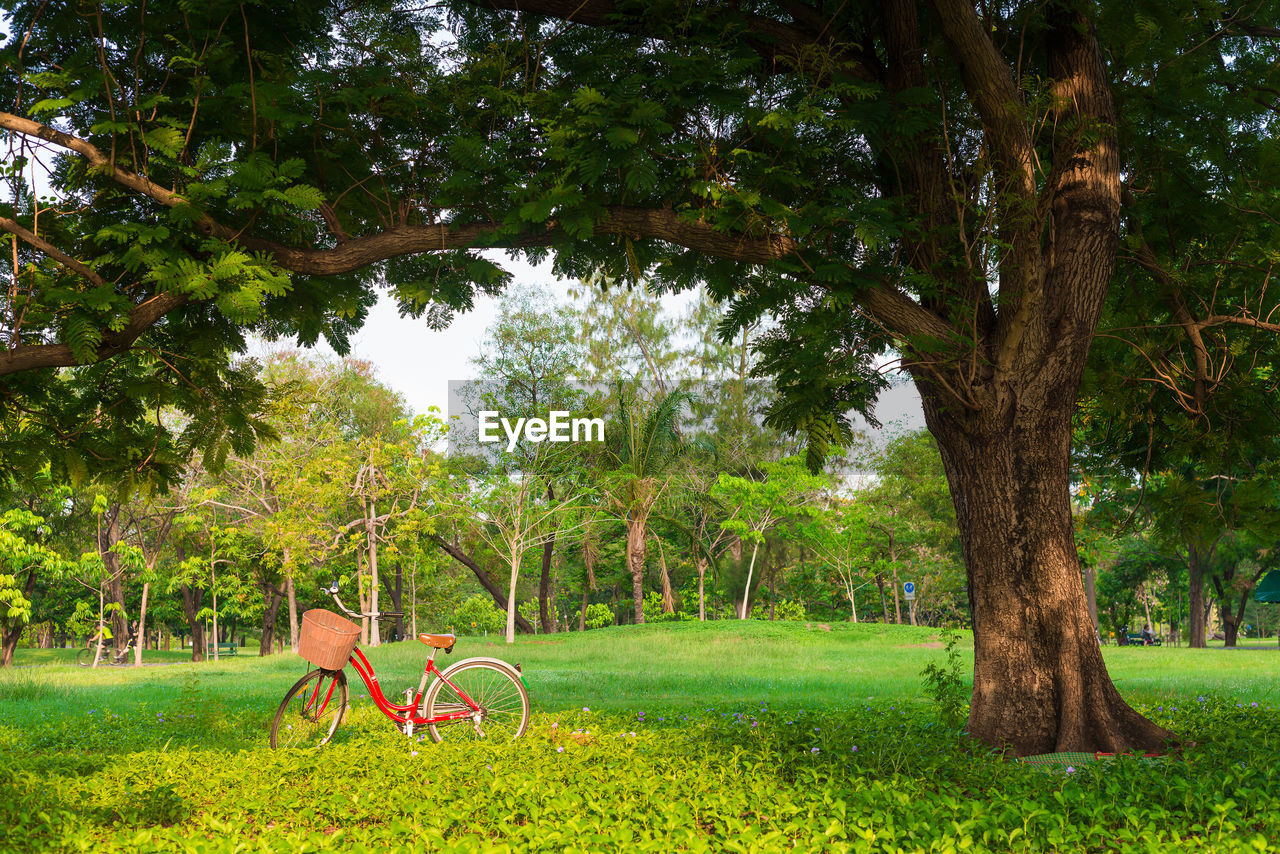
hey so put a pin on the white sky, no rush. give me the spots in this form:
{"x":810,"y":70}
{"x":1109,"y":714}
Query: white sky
{"x":419,"y":362}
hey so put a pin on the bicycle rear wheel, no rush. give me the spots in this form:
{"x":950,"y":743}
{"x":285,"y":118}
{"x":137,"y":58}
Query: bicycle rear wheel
{"x":503,"y":702}
{"x":310,"y":713}
{"x":84,"y":657}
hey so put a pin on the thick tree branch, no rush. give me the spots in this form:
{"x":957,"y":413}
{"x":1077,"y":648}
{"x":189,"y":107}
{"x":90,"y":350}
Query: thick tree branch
{"x":899,"y":314}
{"x":991,"y":87}
{"x":483,"y":577}
{"x":26,"y":357}
{"x":52,"y":251}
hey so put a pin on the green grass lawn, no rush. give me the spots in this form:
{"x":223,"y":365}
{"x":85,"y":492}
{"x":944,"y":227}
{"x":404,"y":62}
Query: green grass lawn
{"x":719,"y":736}
{"x":31,"y":657}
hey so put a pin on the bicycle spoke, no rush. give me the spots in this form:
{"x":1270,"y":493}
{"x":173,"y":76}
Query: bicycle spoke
{"x":503,"y":705}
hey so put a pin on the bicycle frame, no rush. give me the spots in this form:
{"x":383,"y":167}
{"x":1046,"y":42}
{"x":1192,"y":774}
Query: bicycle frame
{"x":401,"y":715}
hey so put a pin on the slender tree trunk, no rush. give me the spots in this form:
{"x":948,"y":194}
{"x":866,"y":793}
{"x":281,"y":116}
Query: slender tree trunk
{"x":1196,"y":610}
{"x":746,"y":592}
{"x":771,"y":569}
{"x":13,"y":633}
{"x":142,"y":626}
{"x":191,"y":598}
{"x":397,"y":599}
{"x":546,"y":612}
{"x":635,"y":559}
{"x":362,"y":595}
{"x":702,"y":599}
{"x":884,"y":600}
{"x":897,"y":586}
{"x":291,"y":601}
{"x":108,"y":536}
{"x":271,"y":596}
{"x":517,"y":556}
{"x":1146,"y":604}
{"x":488,"y":583}
{"x":371,"y":530}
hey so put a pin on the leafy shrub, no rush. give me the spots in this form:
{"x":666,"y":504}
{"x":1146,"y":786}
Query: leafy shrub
{"x":653,"y":612}
{"x":599,"y":615}
{"x":945,"y":686}
{"x":478,"y":615}
{"x":782,"y":610}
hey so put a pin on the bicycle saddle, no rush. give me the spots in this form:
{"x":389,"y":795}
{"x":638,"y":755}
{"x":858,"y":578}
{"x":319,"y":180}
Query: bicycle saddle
{"x":438,"y":641}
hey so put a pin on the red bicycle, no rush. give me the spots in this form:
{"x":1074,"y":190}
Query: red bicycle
{"x":473,"y":699}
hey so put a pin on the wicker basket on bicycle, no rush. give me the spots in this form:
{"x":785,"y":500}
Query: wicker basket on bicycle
{"x":327,"y":639}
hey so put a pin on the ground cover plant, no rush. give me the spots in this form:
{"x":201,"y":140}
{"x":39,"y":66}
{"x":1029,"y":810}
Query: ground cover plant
{"x":735,"y":736}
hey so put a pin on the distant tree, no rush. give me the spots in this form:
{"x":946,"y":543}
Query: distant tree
{"x":786,"y":491}
{"x":641,"y":452}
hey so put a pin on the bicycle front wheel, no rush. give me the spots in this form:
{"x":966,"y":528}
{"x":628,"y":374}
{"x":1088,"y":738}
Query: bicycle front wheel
{"x":310,"y":713}
{"x":503,"y":702}
{"x":85,"y":656}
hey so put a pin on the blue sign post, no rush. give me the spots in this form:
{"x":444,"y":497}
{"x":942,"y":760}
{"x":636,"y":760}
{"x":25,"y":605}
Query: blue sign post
{"x":910,"y":589}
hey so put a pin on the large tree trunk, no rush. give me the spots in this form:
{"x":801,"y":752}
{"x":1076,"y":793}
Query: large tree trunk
{"x":1000,"y":408}
{"x":1040,"y":685}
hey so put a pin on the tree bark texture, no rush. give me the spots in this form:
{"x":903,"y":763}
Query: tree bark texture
{"x":1040,"y":685}
{"x":108,"y":536}
{"x":191,"y":600}
{"x":1197,"y":610}
{"x":272,"y":597}
{"x":635,"y":560}
{"x":546,"y":613}
{"x":1091,"y":596}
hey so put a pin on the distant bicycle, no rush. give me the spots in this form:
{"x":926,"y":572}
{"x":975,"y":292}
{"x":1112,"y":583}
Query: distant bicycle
{"x":84,"y":657}
{"x":476,"y":698}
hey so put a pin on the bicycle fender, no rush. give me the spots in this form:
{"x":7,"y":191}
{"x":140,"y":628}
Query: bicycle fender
{"x":496,"y":662}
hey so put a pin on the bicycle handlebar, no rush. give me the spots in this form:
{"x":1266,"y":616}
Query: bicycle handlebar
{"x":332,"y":590}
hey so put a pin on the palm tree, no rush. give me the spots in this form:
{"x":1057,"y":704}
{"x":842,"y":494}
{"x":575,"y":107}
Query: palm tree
{"x":643,"y":451}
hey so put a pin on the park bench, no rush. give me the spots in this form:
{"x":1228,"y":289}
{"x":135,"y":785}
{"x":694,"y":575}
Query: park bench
{"x":227,"y":649}
{"x":1136,"y":640}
